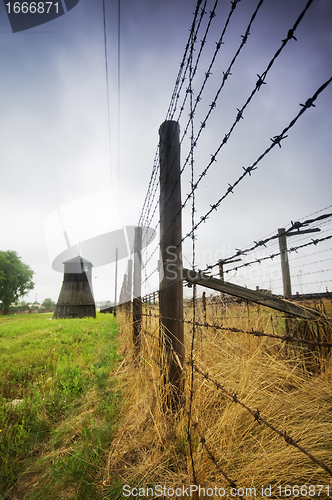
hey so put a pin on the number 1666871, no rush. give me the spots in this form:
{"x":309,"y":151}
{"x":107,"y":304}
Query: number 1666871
{"x":32,"y":7}
{"x":312,"y":490}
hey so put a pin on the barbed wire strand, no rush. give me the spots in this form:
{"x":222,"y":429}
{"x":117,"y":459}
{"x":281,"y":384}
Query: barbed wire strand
{"x":207,"y":74}
{"x":209,"y":452}
{"x":276,"y":140}
{"x":169,"y":112}
{"x":256,"y":414}
{"x":191,"y":391}
{"x":255,"y":333}
{"x":272,"y":256}
{"x":262,"y":243}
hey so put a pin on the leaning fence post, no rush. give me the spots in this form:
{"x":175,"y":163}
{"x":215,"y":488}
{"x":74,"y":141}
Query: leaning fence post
{"x":171,"y":289}
{"x":137,"y":300}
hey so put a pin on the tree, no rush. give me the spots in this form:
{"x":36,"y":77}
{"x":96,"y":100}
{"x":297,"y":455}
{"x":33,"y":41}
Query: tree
{"x":48,"y":304}
{"x":15,"y":279}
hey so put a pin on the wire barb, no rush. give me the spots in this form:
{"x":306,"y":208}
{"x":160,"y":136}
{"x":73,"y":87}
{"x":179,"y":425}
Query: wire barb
{"x":277,"y":139}
{"x":290,"y":35}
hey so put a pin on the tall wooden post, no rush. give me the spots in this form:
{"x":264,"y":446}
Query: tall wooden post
{"x":286,"y":281}
{"x":204,"y":305}
{"x":137,"y":300}
{"x":171,"y":289}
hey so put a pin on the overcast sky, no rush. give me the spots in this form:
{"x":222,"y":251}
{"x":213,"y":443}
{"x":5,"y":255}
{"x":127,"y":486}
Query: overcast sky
{"x":54,"y":136}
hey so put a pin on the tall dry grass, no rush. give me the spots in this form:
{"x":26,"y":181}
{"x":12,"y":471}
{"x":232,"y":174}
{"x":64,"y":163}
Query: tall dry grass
{"x":290,"y":385}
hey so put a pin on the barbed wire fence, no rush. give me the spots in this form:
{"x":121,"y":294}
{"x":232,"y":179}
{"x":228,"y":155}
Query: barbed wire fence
{"x":311,"y":252}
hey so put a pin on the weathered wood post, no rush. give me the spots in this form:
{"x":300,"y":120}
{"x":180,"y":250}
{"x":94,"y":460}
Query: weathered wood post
{"x":204,"y":305}
{"x":286,"y":281}
{"x":221,"y":269}
{"x":137,"y":299}
{"x":171,"y":289}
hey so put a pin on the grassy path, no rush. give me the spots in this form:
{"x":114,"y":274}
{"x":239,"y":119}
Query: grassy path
{"x":58,"y":406}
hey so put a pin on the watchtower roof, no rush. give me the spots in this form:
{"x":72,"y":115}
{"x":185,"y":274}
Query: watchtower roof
{"x":77,"y":265}
{"x":78,"y":259}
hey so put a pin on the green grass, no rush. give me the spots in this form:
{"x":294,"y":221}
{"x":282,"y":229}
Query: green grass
{"x":55,"y":442}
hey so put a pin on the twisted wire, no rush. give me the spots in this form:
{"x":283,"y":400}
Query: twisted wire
{"x":276,"y":140}
{"x":257,"y":416}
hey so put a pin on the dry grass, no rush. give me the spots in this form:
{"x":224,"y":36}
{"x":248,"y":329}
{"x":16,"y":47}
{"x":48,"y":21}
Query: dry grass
{"x":290,"y":386}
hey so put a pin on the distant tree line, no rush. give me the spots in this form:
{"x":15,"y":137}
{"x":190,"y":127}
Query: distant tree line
{"x":26,"y":306}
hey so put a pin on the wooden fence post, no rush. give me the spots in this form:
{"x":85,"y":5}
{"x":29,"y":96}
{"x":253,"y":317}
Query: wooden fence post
{"x":286,"y":281}
{"x":171,"y":288}
{"x":129,"y":286}
{"x":221,"y":270}
{"x":137,"y":299}
{"x":204,"y":305}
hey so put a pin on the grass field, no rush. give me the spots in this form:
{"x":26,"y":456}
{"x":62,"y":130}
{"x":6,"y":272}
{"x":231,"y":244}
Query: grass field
{"x":81,"y":415}
{"x":59,"y":406}
{"x":291,"y":385}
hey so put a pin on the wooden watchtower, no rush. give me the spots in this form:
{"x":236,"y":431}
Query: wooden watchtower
{"x":76,"y":296}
